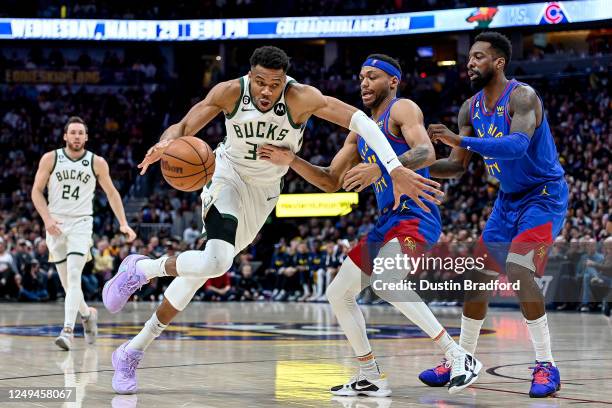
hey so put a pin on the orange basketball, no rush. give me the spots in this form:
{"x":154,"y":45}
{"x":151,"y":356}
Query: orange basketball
{"x":188,"y":163}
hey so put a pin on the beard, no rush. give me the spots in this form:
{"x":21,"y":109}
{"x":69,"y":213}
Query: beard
{"x":75,"y":147}
{"x":481,"y":80}
{"x":378,"y":101}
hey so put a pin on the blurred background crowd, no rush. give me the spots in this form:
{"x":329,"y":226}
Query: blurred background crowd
{"x":129,"y":94}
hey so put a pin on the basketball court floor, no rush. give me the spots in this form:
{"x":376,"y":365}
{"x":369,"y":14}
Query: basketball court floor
{"x":288,"y":355}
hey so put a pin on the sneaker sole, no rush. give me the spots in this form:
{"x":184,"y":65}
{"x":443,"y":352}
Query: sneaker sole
{"x":435,"y":385}
{"x":455,"y":390}
{"x":546,"y":395}
{"x":353,"y":393}
{"x":62,"y":343}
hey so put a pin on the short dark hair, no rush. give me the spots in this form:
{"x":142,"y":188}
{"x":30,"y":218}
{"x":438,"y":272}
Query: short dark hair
{"x":499,"y":42}
{"x":74,"y":119}
{"x":386,"y":58}
{"x":270,"y":57}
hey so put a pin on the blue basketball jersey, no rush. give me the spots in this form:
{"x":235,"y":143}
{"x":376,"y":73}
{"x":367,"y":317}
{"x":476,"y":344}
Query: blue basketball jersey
{"x":383,"y":187}
{"x":539,"y":165}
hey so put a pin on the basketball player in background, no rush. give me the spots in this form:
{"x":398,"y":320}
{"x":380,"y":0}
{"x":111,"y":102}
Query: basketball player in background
{"x":70,"y":175}
{"x":264,"y":106}
{"x":355,"y":167}
{"x":518,"y":150}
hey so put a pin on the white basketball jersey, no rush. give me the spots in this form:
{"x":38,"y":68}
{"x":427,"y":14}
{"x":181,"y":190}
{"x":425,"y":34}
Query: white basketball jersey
{"x":72,"y":185}
{"x":247,"y":127}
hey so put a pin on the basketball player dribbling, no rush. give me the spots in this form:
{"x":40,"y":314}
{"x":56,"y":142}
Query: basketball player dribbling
{"x":70,"y":175}
{"x":264,"y":106}
{"x":401,"y":121}
{"x":518,"y":150}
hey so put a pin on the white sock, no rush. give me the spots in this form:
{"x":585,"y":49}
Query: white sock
{"x":446,"y":343}
{"x":153,"y":268}
{"x":470,"y":330}
{"x":151,"y":330}
{"x":368,"y":366}
{"x":540,"y":337}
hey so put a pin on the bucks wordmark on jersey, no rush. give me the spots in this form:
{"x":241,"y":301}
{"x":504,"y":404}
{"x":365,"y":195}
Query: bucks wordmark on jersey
{"x":247,"y":127}
{"x":72,"y":185}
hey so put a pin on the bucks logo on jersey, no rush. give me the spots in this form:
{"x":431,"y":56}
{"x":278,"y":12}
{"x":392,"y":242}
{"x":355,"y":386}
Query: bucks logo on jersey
{"x":71,"y":185}
{"x":247,"y":127}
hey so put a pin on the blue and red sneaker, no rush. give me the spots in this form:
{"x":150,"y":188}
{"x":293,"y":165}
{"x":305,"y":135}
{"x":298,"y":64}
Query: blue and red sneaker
{"x":546,"y":380}
{"x":438,"y":376}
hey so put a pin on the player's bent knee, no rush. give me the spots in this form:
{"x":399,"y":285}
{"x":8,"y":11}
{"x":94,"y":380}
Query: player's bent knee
{"x":215,"y":260}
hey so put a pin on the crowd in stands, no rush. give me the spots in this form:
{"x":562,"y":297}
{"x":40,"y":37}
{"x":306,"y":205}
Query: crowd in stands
{"x":305,"y":257}
{"x":183,"y":9}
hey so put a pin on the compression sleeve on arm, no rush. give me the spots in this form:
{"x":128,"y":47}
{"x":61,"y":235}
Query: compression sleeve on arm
{"x":367,"y":128}
{"x":513,"y":146}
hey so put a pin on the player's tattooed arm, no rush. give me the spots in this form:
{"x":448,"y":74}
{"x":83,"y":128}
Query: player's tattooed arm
{"x":524,"y":108}
{"x":405,"y":118}
{"x":408,"y":116}
{"x":223,"y":97}
{"x":456,"y":164}
{"x":114,"y":198}
{"x":38,"y":193}
{"x":328,"y":179}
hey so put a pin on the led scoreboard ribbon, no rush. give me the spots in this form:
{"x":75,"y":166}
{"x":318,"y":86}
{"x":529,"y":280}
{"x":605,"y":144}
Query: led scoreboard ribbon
{"x":562,"y":12}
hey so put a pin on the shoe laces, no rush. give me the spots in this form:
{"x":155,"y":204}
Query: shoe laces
{"x":458,"y":363}
{"x":131,"y":365}
{"x":443,"y":367}
{"x":131,"y":285}
{"x":541,"y":373}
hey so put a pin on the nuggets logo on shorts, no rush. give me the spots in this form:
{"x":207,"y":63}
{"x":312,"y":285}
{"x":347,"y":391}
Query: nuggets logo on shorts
{"x":541,"y":251}
{"x":409,"y":243}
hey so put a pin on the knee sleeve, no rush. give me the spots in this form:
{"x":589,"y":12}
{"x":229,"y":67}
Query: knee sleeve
{"x":74,"y":270}
{"x":215,"y":260}
{"x":181,"y":291}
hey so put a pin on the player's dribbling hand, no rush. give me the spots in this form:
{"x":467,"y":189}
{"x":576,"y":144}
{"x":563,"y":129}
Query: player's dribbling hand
{"x":52,"y":226}
{"x":361,"y":176}
{"x":415,"y":186}
{"x":153,"y":155}
{"x":439,"y":132}
{"x":281,"y":156}
{"x":127,"y":230}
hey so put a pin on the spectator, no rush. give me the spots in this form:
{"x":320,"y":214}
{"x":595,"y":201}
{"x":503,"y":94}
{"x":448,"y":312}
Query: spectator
{"x":248,"y":288}
{"x":218,"y":288}
{"x":34,"y":283}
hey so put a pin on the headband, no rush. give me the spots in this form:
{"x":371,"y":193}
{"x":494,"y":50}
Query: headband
{"x":384,"y":66}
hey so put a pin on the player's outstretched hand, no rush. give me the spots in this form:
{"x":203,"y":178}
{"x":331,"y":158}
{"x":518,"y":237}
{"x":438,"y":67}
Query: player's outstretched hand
{"x":415,"y":186}
{"x":153,"y":155}
{"x":361,"y":176}
{"x":53,"y":226}
{"x":281,"y":156}
{"x":439,"y":132}
{"x":127,"y":230}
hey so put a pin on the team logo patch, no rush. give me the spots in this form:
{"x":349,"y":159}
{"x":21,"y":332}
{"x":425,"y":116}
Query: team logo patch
{"x":85,"y":163}
{"x":280,"y":109}
{"x":409,"y":243}
{"x":482,"y":16}
{"x":541,"y":252}
{"x":233,"y":331}
{"x":246,"y":99}
{"x":553,"y":14}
